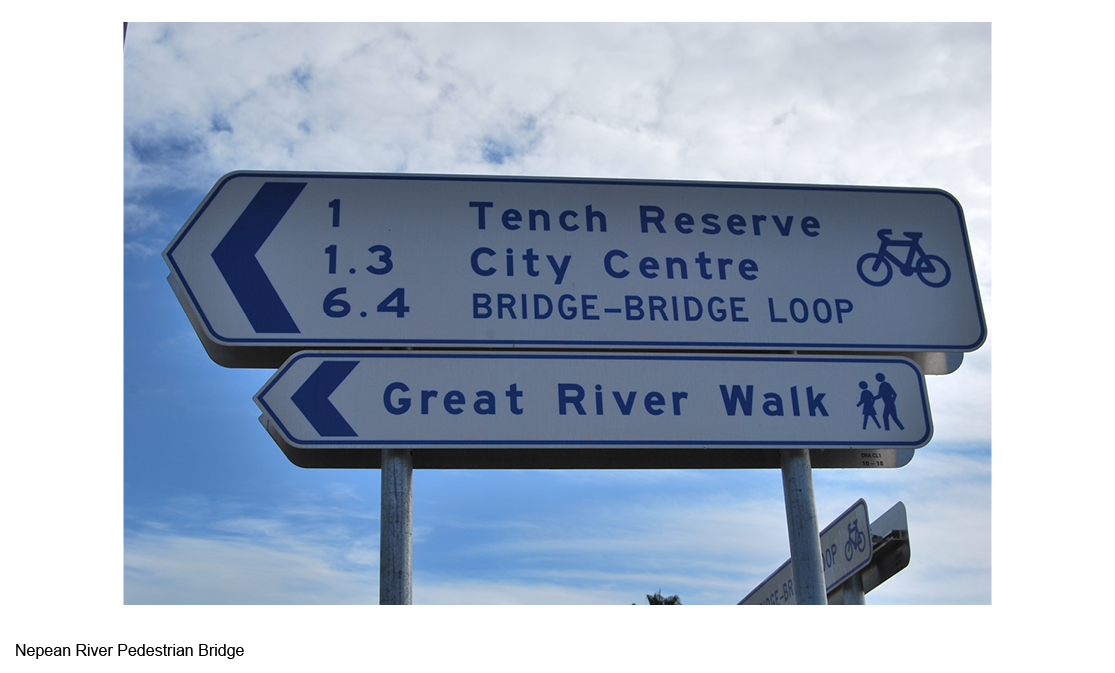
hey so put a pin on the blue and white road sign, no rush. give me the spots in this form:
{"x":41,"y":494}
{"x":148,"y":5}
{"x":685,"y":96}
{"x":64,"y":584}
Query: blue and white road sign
{"x":376,"y":400}
{"x":273,"y":263}
{"x":845,"y":549}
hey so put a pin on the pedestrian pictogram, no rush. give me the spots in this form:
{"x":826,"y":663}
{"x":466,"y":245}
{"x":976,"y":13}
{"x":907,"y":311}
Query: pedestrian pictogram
{"x":888,"y":396}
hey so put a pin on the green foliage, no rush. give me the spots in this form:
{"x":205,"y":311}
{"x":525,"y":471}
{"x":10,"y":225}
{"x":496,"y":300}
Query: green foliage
{"x":659,"y":599}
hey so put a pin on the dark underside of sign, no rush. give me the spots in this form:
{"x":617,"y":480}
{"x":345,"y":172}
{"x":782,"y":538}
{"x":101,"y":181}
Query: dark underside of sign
{"x":594,"y":459}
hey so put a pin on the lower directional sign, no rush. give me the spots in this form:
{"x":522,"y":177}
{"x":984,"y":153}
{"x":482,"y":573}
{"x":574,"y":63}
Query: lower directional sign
{"x":339,"y":409}
{"x":845,"y":549}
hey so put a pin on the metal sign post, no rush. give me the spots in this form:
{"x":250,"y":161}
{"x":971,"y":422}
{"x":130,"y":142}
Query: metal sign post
{"x":801,"y":521}
{"x":396,"y":528}
{"x":853,"y":591}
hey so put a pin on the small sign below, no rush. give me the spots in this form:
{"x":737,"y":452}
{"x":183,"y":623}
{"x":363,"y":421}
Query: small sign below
{"x":845,"y":549}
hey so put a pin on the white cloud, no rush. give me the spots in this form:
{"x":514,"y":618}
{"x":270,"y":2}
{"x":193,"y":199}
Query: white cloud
{"x":138,"y":217}
{"x":175,"y":569}
{"x":788,"y":102}
{"x":201,"y":551}
{"x":961,"y":401}
{"x":452,"y":591}
{"x":141,"y":249}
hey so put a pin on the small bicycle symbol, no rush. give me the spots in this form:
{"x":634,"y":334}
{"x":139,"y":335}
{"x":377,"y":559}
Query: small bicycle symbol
{"x":931,"y":269}
{"x":856,"y":540}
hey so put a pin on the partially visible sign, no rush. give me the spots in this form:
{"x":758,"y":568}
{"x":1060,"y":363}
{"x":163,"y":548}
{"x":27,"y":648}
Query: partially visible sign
{"x":323,"y":401}
{"x":845,"y":549}
{"x":892,"y":521}
{"x":890,"y":534}
{"x":273,"y":263}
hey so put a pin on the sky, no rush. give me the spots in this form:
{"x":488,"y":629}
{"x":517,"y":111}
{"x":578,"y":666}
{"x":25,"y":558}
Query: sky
{"x":211,"y":511}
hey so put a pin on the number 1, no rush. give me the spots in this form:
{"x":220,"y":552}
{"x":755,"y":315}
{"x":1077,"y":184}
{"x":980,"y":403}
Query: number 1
{"x":335,"y":204}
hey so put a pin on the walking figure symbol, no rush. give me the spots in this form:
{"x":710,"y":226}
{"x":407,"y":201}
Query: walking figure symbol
{"x":867,"y":400}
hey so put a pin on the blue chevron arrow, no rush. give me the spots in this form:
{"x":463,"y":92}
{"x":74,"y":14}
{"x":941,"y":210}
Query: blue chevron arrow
{"x":235,"y":256}
{"x":312,"y":399}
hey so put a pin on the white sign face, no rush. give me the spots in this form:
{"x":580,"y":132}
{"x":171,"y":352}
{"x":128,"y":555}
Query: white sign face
{"x":375,"y":400}
{"x":279,"y":262}
{"x":845,"y":549}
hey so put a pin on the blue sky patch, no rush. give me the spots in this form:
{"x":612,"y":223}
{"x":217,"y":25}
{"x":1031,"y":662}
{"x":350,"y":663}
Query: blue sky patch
{"x":496,"y":152}
{"x":165,"y":148}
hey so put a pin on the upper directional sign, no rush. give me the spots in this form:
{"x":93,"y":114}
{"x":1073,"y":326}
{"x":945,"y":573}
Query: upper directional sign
{"x":272,"y":263}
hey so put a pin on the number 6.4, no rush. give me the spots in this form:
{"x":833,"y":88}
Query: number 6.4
{"x":335,"y":307}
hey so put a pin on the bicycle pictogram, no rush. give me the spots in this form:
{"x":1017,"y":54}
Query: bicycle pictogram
{"x":875,"y":268}
{"x":857,"y":539}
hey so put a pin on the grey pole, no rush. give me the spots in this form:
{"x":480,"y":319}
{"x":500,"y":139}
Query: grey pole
{"x":801,"y":520}
{"x":396,"y":527}
{"x":853,"y":590}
